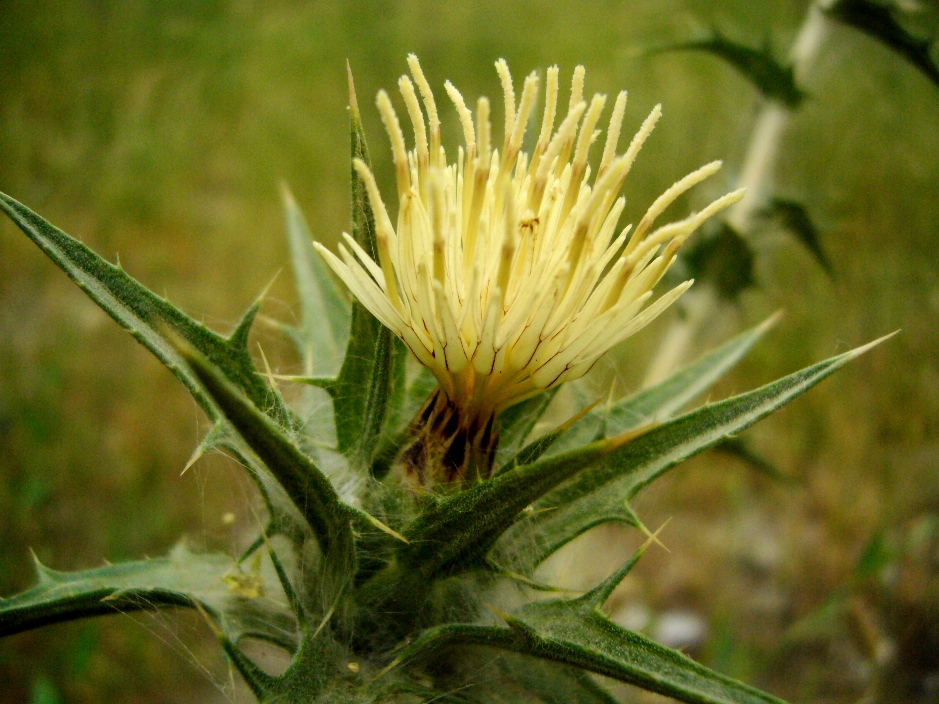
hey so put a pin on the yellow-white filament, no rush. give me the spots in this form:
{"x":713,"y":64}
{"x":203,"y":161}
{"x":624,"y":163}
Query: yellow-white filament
{"x":504,"y":274}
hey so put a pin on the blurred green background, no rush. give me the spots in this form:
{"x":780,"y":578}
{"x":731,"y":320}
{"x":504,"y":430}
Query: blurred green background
{"x":159,"y":131}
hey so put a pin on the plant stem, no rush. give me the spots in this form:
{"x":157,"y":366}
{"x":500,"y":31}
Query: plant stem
{"x":703,"y":303}
{"x":772,"y":122}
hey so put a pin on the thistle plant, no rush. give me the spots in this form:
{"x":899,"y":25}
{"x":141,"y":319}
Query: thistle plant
{"x":398,"y":559}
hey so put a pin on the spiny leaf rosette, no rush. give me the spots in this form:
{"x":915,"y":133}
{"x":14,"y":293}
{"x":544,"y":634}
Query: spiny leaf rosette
{"x":405,"y":525}
{"x":507,"y":274}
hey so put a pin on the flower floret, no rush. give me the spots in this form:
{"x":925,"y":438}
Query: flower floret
{"x":505,"y":275}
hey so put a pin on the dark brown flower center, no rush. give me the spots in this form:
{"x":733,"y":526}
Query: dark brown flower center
{"x":450,"y":447}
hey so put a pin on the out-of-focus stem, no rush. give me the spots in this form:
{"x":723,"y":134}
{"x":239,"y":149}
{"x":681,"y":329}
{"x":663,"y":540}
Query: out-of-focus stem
{"x":772,"y":122}
{"x":702,"y":302}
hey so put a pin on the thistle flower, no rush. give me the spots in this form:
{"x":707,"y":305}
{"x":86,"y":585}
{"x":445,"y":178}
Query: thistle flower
{"x":505,"y":274}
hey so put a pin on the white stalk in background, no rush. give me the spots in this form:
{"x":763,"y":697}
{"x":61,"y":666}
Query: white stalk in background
{"x":772,"y":122}
{"x":703,"y":303}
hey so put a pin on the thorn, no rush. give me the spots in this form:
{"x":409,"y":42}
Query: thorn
{"x":609,"y":397}
{"x":41,"y":572}
{"x":388,"y":668}
{"x":646,"y":532}
{"x":209,"y":442}
{"x":286,"y":195}
{"x":328,"y":615}
{"x":577,"y":416}
{"x":318,"y":381}
{"x":353,"y":103}
{"x":196,"y":456}
{"x":870,"y":345}
{"x":384,"y":528}
{"x":523,"y":579}
{"x":771,"y":321}
{"x":267,"y":368}
{"x":530,"y":510}
{"x":654,"y":537}
{"x":208,"y":619}
{"x":266,"y":289}
{"x":617,"y":441}
{"x":596,"y":597}
{"x":274,"y":323}
{"x":537,"y":585}
{"x":501,"y":614}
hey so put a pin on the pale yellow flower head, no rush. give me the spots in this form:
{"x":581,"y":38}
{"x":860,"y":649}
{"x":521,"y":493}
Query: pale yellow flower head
{"x":506,"y":272}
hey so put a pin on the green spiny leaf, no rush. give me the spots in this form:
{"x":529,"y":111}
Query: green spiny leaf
{"x":573,"y":634}
{"x":324,"y":308}
{"x":243,"y":604}
{"x":427,"y":694}
{"x":363,"y":219}
{"x":455,"y":533}
{"x":524,"y":547}
{"x":876,"y":20}
{"x":309,"y":490}
{"x":577,"y":634}
{"x":773,"y":79}
{"x":574,"y":507}
{"x":145,"y":315}
{"x":314,"y":664}
{"x":659,"y":402}
{"x":262,"y":685}
{"x":360,"y":392}
{"x":663,"y":400}
{"x":438,"y":638}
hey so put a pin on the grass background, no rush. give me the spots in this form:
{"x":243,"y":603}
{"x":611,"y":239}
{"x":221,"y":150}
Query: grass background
{"x":158,"y":131}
